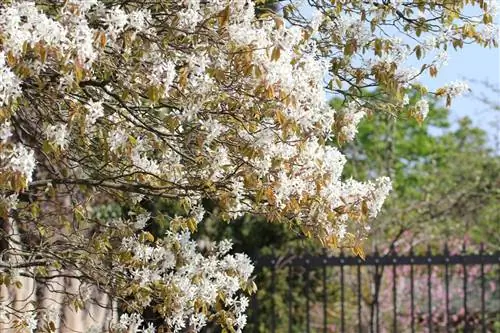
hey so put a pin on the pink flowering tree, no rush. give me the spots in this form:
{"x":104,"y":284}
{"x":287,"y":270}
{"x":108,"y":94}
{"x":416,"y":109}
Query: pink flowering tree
{"x":121,"y":102}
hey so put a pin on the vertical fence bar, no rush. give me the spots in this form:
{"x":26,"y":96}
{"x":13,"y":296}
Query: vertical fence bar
{"x":359,"y":295}
{"x":447,"y":286}
{"x":373,"y":300}
{"x":412,"y":291}
{"x":308,"y":318}
{"x":342,"y":312}
{"x":373,"y":303}
{"x":483,"y":301}
{"x":377,"y":290}
{"x":325,"y":297}
{"x":466,"y":324}
{"x":255,"y":313}
{"x":429,"y":289}
{"x":290,"y":300}
{"x":497,"y":254}
{"x":273,"y":294}
{"x":394,"y":294}
{"x":394,"y":300}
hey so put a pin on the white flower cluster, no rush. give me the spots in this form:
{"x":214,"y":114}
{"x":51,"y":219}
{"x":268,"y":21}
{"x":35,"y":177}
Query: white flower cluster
{"x":352,"y":115}
{"x":95,"y":111}
{"x":58,"y":134}
{"x":490,"y":32}
{"x":19,"y":159}
{"x":5,"y":131}
{"x":9,"y":202}
{"x":22,"y":23}
{"x":456,"y":88}
{"x":29,"y":321}
{"x":194,"y":278}
{"x":9,"y":82}
{"x":132,"y":323}
{"x":422,"y":108}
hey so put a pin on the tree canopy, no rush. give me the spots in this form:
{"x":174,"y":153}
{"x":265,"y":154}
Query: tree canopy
{"x":444,"y":177}
{"x":123,"y":102}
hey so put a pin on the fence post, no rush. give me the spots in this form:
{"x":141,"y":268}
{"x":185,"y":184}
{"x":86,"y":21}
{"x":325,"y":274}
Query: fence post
{"x":429,"y":288}
{"x":342,"y":296}
{"x":359,"y":295}
{"x":394,"y":292}
{"x":290,"y":297}
{"x":412,"y":291}
{"x":483,"y":306}
{"x":325,"y":297}
{"x":273,"y":293}
{"x":447,"y":285}
{"x":307,"y":287}
{"x":466,"y":324}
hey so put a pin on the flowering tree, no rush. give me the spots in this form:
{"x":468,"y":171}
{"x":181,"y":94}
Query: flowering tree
{"x":130,"y":101}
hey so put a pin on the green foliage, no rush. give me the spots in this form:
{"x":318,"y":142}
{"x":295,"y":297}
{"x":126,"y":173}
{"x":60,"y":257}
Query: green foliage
{"x":445,"y":178}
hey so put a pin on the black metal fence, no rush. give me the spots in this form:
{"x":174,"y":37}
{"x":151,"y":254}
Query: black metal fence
{"x":446,"y":292}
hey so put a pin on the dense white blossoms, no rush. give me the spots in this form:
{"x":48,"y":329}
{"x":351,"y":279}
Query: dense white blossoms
{"x":192,"y":277}
{"x":9,"y":82}
{"x":127,"y":102}
{"x":22,"y":23}
{"x":19,"y":159}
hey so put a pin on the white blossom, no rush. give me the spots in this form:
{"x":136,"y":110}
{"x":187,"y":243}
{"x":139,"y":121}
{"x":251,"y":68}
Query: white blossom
{"x":30,"y":321}
{"x":422,"y":108}
{"x":95,"y":111}
{"x":117,"y":138}
{"x":456,"y":88}
{"x":9,"y":82}
{"x":5,"y":131}
{"x":341,"y":232}
{"x":141,"y":220}
{"x":22,"y":160}
{"x":138,"y":19}
{"x":198,"y":321}
{"x":58,"y":134}
{"x":352,"y":115}
{"x":117,"y":19}
{"x":406,"y":100}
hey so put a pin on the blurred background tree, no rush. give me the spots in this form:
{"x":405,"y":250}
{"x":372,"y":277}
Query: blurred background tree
{"x":445,"y":178}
